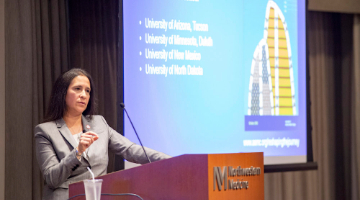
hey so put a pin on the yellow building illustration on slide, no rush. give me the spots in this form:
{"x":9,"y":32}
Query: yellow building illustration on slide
{"x":271,"y":88}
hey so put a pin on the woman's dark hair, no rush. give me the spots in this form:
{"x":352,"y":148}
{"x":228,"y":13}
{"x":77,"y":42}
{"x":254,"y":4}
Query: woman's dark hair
{"x":57,"y":104}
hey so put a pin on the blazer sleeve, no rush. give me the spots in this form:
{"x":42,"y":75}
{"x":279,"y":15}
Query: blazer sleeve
{"x":131,"y":151}
{"x":55,"y":172}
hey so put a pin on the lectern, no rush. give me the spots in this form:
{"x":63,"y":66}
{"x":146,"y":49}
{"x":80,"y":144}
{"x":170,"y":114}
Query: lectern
{"x":188,"y":177}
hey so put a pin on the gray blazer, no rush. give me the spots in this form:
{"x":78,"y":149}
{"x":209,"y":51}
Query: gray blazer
{"x":55,"y":153}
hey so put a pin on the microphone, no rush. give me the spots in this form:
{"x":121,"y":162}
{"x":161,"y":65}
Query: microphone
{"x":122,"y":105}
{"x":87,"y":128}
{"x":87,"y":149}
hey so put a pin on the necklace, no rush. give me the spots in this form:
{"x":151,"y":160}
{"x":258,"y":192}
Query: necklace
{"x":75,"y":130}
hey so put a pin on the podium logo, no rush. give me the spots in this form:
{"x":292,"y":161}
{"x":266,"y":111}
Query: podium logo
{"x":223,"y":178}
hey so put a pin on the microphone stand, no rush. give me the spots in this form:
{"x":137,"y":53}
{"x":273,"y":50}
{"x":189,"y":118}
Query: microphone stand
{"x":123,"y":107}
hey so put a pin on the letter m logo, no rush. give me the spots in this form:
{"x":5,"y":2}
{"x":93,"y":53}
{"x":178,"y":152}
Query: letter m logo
{"x":220,"y":178}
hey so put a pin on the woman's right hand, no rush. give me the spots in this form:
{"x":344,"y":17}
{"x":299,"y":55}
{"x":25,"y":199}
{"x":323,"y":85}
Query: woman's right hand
{"x":86,"y":139}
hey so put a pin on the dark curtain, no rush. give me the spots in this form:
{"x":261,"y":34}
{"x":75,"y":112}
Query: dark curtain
{"x":39,"y":47}
{"x":38,"y":50}
{"x":93,"y":29}
{"x":334,"y":95}
{"x":354,"y":144}
{"x":35,"y":55}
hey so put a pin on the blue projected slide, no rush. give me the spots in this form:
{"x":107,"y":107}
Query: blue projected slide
{"x":217,"y":76}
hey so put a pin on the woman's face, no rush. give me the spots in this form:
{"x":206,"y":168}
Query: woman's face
{"x":78,"y":95}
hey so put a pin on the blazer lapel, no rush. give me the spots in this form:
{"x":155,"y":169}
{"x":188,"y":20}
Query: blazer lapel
{"x":65,"y":132}
{"x":87,"y":126}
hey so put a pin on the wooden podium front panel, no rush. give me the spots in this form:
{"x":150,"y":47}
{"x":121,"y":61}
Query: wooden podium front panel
{"x":242,"y":163}
{"x":186,"y":177}
{"x":179,"y":178}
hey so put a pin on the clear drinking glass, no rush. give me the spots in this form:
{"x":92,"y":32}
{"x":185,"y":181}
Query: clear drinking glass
{"x":93,"y":189}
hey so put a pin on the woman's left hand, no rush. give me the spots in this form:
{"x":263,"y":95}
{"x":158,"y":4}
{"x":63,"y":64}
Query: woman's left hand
{"x":86,"y":139}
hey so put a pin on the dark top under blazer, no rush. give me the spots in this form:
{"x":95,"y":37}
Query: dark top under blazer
{"x":55,"y":152}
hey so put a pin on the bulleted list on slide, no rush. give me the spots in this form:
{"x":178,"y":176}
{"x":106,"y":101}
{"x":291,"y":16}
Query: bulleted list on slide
{"x":170,"y":46}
